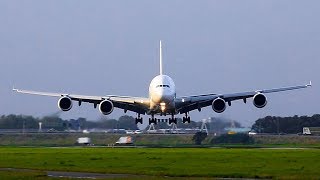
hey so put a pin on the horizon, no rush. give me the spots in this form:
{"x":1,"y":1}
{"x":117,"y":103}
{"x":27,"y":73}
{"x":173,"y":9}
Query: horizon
{"x":99,"y":48}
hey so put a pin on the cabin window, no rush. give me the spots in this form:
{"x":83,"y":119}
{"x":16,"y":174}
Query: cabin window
{"x":163,"y":85}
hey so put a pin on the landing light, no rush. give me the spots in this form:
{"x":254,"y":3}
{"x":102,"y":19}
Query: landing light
{"x":163,"y":106}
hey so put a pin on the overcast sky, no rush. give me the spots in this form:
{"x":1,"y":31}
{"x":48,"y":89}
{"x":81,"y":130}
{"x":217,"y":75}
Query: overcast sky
{"x":112,"y":47}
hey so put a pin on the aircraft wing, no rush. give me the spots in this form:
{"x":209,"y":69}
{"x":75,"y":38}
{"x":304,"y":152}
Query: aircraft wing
{"x":136,"y":104}
{"x":189,"y":103}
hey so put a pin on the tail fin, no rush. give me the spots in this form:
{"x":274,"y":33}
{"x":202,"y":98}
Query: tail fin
{"x":160,"y":58}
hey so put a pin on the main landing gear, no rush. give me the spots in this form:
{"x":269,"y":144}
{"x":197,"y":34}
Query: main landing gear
{"x":172,"y":119}
{"x":152,"y":120}
{"x":186,"y":119}
{"x":138,"y":119}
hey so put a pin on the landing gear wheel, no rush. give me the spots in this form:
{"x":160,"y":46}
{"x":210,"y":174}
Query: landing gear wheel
{"x":152,"y":120}
{"x":138,"y":120}
{"x":186,"y":120}
{"x":172,"y":120}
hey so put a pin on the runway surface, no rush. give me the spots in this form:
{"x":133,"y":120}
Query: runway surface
{"x":83,"y":175}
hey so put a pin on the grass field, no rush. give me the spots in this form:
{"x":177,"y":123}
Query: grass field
{"x":182,"y":140}
{"x":175,"y":162}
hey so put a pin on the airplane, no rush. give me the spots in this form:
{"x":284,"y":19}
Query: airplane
{"x":162,"y":100}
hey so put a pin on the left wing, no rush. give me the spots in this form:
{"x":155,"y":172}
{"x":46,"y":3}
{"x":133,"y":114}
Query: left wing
{"x":189,"y":103}
{"x":136,"y":104}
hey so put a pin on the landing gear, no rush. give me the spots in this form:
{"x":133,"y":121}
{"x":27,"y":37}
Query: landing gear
{"x":172,"y":119}
{"x":138,"y":119}
{"x":186,"y":119}
{"x":152,"y":120}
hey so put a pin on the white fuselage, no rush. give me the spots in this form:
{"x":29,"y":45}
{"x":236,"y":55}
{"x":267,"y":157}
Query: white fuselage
{"x":162,"y":92}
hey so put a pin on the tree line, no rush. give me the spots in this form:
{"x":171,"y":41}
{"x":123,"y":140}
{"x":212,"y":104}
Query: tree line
{"x":29,"y":122}
{"x":269,"y":124}
{"x":288,"y":125}
{"x":124,"y":122}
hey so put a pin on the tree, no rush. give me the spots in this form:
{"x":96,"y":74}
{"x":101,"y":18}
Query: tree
{"x":271,"y":124}
{"x":180,"y":124}
{"x":192,"y":124}
{"x":127,"y":122}
{"x":239,"y":138}
{"x":18,"y":121}
{"x":53,"y":122}
{"x":108,"y":124}
{"x":199,"y":137}
{"x":219,"y":125}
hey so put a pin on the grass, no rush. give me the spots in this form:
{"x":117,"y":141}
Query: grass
{"x":175,"y":162}
{"x":23,"y":175}
{"x":184,"y":140}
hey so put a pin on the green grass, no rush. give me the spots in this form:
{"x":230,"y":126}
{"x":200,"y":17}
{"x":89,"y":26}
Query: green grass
{"x":23,"y":175}
{"x":184,"y":140}
{"x":176,"y":162}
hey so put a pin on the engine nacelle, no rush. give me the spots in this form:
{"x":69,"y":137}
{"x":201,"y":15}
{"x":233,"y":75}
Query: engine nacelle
{"x":65,"y":103}
{"x":219,"y":105}
{"x":259,"y":100}
{"x":106,"y":107}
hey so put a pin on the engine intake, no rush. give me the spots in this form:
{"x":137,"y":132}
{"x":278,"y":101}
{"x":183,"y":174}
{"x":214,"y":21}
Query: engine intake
{"x":219,"y":105}
{"x":65,"y":103}
{"x":106,"y":107}
{"x":259,"y":100}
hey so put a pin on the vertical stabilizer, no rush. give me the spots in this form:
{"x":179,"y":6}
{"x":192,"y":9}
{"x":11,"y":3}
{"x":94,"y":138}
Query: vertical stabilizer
{"x":160,"y":58}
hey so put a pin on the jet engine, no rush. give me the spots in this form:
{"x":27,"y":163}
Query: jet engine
{"x":219,"y":105}
{"x":259,"y":100}
{"x":65,"y":103}
{"x":106,"y":107}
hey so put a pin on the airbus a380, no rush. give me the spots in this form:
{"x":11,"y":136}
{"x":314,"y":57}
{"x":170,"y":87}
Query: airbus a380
{"x":162,"y":100}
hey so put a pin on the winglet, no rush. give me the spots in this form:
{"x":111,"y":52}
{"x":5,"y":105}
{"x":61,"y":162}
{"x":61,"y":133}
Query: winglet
{"x":309,"y":85}
{"x":160,"y":58}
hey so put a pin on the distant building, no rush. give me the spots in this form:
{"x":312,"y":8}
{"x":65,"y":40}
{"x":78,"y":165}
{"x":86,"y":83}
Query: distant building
{"x":311,"y":131}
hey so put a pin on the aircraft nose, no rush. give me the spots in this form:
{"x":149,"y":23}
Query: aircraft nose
{"x":164,"y":96}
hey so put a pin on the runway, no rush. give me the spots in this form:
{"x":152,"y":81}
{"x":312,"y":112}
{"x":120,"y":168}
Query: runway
{"x":82,"y":175}
{"x":62,"y":174}
{"x":87,"y":175}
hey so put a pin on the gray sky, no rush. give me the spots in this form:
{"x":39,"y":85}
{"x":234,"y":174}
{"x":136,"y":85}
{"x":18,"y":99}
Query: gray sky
{"x":111,"y":47}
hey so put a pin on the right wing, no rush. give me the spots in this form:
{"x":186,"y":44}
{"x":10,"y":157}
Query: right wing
{"x":189,"y":103}
{"x":136,"y":104}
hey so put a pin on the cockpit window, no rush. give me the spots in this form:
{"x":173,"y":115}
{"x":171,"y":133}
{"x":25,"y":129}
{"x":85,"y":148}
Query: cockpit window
{"x":163,"y":85}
